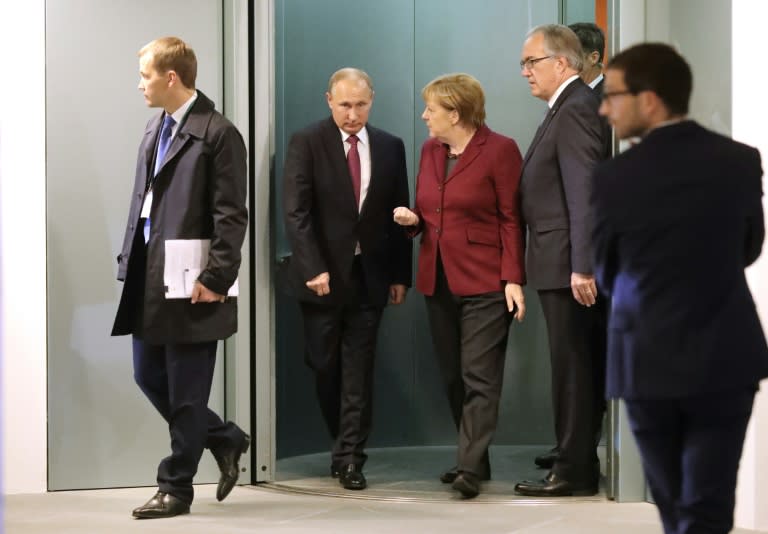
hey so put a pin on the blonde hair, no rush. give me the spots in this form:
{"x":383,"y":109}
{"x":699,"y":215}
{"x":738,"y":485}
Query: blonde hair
{"x":461,"y":93}
{"x":171,"y":53}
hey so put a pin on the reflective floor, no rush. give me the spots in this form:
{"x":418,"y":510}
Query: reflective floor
{"x":411,"y":474}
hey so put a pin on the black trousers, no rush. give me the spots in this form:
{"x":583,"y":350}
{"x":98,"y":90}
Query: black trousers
{"x":469,"y":334}
{"x":577,"y":352}
{"x":340,"y":344}
{"x":691,"y":449}
{"x":176,"y":378}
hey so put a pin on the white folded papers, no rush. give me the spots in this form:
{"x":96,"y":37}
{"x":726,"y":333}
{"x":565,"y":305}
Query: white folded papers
{"x":185,"y":259}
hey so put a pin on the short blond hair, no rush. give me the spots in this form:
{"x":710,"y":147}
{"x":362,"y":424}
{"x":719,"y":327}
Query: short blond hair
{"x":171,"y":53}
{"x":349,"y":73}
{"x":458,"y":92}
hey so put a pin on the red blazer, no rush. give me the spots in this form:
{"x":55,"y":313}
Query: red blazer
{"x":472,"y":215}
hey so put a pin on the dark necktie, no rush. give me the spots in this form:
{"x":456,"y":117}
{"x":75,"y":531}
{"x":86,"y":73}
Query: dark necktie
{"x":162,"y":148}
{"x":353,"y":162}
{"x":164,"y":142}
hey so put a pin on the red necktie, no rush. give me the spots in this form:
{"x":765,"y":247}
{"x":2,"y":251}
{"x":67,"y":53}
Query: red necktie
{"x":353,"y":162}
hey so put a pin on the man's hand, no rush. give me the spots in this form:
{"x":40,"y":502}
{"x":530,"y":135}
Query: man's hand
{"x":515,"y":297}
{"x":200,"y":293}
{"x":320,"y":284}
{"x":584,"y":288}
{"x":405,"y":217}
{"x":397,"y":293}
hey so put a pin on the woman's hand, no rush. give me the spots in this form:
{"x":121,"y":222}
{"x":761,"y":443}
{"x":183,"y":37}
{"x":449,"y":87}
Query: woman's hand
{"x":405,"y":217}
{"x":515,"y":298}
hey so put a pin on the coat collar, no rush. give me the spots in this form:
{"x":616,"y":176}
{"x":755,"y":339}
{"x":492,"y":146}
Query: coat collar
{"x":567,"y":92}
{"x":473,"y":149}
{"x":194,"y":124}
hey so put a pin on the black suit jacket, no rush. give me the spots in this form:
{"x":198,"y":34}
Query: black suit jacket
{"x":198,"y":193}
{"x":679,"y":217}
{"x":555,"y":188}
{"x":322,"y":221}
{"x":597,"y":90}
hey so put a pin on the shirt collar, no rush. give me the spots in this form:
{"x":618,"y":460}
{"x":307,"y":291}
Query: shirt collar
{"x":560,"y":89}
{"x":362,"y":135}
{"x":178,"y":115}
{"x":597,"y":80}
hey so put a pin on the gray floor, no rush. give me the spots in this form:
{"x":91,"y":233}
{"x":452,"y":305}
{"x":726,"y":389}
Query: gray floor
{"x":404,"y":497}
{"x":257,"y":509}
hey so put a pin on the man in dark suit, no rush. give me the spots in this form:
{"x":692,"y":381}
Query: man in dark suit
{"x":678,"y":218}
{"x":343,"y":179}
{"x":190,"y":185}
{"x":592,"y":41}
{"x":555,"y":188}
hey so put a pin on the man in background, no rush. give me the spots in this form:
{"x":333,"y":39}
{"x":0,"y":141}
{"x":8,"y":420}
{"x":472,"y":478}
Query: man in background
{"x":592,"y":41}
{"x":678,"y":218}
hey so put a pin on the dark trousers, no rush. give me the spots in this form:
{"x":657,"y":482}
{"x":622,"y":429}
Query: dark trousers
{"x":577,"y":351}
{"x":176,"y":378}
{"x":691,"y":449}
{"x":340,"y":343}
{"x":469,"y":334}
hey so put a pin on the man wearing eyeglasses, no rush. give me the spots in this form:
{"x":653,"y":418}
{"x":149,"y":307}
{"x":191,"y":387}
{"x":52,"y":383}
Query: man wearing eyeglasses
{"x":555,"y":188}
{"x":678,"y":218}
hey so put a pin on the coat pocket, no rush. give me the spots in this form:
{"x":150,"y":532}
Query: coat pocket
{"x":548,"y":225}
{"x":483,"y":235}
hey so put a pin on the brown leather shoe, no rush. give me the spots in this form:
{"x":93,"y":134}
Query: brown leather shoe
{"x":161,"y":505}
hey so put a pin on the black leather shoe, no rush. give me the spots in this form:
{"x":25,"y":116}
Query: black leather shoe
{"x":352,"y":478}
{"x":447,"y":477}
{"x":230,"y":468}
{"x":161,"y":505}
{"x":547,"y":460}
{"x":467,"y":484}
{"x":554,"y":486}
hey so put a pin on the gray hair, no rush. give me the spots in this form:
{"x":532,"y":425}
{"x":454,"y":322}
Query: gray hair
{"x":349,"y":73}
{"x":561,"y":41}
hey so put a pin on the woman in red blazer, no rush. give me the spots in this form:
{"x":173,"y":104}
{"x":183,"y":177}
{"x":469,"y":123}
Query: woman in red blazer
{"x":470,"y":261}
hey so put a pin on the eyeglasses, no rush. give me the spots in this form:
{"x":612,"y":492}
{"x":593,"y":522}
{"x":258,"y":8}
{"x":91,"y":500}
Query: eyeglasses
{"x":610,"y":94}
{"x":531,"y":62}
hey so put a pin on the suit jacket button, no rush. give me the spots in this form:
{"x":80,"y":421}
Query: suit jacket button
{"x":437,"y":210}
{"x":437,"y":230}
{"x":130,"y":227}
